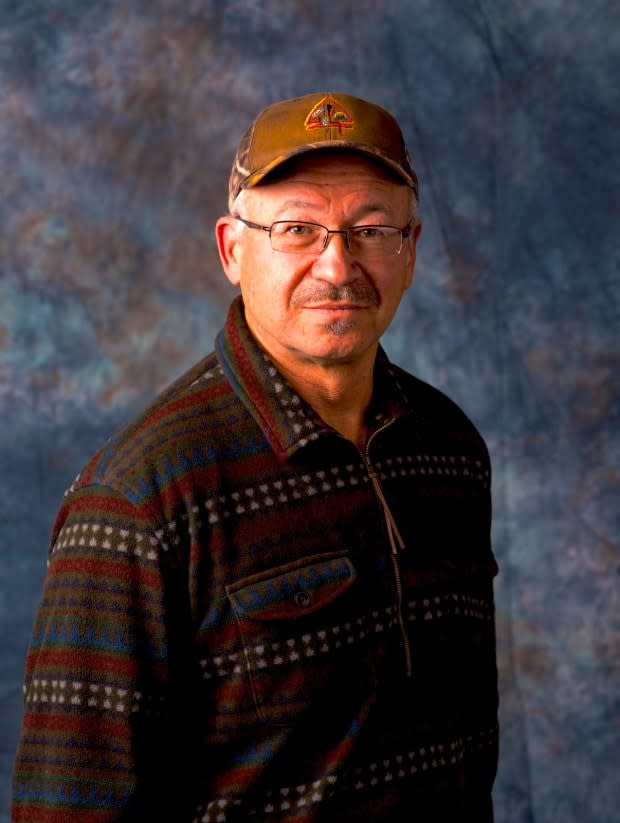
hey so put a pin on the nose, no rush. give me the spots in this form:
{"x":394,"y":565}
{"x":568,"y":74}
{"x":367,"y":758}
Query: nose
{"x":335,"y":263}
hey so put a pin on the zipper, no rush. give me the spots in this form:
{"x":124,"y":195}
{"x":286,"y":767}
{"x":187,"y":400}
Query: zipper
{"x":396,"y":543}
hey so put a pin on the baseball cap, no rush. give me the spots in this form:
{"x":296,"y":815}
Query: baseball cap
{"x":324,"y":120}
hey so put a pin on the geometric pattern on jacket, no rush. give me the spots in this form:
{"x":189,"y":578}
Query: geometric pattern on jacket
{"x":245,"y":618}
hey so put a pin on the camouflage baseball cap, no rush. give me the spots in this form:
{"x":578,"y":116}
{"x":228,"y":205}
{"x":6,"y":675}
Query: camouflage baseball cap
{"x":325,"y":120}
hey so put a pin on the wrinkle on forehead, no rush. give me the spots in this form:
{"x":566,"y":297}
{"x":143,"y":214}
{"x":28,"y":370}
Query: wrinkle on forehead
{"x":293,"y":208}
{"x":330,"y":177}
{"x":323,"y":185}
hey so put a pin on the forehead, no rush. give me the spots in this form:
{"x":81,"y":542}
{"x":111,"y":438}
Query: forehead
{"x":331,"y":173}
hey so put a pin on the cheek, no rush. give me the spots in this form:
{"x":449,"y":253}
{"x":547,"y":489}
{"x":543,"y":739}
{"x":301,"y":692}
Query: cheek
{"x":263,"y":293}
{"x":255,"y":295}
{"x":407,"y":270}
{"x":393,"y":284}
{"x":274,"y":285}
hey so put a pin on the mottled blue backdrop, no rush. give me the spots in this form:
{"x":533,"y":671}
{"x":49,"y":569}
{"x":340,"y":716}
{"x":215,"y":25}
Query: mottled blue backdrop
{"x":118,"y":122}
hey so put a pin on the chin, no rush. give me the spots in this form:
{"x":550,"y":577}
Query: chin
{"x":339,"y":354}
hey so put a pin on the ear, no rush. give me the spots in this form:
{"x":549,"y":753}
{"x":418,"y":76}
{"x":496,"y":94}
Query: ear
{"x":228,"y":239}
{"x":412,"y":242}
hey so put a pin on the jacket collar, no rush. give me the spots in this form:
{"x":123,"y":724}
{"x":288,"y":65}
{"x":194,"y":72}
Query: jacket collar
{"x":288,"y":422}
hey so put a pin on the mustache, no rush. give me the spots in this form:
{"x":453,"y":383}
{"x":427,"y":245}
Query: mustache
{"x":361,"y":294}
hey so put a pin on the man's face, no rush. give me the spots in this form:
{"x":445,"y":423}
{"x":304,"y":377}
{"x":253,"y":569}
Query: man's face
{"x":330,"y":307}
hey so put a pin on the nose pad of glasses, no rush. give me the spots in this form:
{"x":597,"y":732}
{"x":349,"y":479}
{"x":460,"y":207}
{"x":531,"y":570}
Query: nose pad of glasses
{"x":328,"y":237}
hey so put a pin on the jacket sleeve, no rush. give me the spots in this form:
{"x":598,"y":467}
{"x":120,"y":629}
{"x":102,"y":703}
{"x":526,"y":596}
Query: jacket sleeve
{"x":106,"y":733}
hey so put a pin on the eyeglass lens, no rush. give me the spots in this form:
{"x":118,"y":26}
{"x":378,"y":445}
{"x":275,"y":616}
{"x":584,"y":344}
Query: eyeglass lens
{"x":303,"y":237}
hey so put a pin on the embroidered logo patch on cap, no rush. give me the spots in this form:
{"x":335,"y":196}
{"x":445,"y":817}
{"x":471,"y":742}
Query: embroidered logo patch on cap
{"x":323,"y":120}
{"x":328,"y":113}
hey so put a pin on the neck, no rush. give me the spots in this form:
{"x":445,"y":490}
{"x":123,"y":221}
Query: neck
{"x":339,"y":393}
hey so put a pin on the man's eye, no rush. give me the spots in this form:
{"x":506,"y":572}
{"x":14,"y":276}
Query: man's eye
{"x":300,"y":229}
{"x":369,"y":232}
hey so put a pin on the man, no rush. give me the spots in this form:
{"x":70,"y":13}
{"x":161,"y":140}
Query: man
{"x":270,"y":596}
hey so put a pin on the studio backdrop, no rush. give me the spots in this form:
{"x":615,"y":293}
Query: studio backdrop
{"x":118,"y":124}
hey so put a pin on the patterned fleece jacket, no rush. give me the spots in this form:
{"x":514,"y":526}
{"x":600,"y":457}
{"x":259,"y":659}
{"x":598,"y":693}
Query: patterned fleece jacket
{"x":246,"y":618}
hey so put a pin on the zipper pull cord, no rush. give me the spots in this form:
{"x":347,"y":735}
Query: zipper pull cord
{"x":396,"y":539}
{"x":396,"y":542}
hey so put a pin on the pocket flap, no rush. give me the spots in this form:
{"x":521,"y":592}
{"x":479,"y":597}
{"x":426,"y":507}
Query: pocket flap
{"x":294,"y":590}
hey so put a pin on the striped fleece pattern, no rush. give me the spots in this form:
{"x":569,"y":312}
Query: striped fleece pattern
{"x":227,"y":632}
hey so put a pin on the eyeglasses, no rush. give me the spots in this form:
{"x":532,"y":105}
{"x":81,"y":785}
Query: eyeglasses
{"x":299,"y":237}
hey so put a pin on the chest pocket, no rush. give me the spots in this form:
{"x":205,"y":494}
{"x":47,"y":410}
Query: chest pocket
{"x":304,"y":640}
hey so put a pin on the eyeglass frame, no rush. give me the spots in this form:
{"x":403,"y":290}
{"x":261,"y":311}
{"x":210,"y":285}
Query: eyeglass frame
{"x":404,"y":233}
